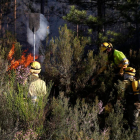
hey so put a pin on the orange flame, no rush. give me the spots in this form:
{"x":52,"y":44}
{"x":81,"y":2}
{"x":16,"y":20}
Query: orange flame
{"x":11,"y":53}
{"x":25,"y":60}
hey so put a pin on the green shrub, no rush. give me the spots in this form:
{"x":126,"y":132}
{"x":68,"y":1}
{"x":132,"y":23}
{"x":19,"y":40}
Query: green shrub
{"x":75,"y":123}
{"x":65,"y":60}
{"x":17,"y":109}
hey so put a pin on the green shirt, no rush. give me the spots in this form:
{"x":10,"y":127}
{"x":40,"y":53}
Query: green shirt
{"x":119,"y":59}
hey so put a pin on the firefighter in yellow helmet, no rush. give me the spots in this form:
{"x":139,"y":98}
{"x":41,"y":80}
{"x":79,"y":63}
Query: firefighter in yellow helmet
{"x":132,"y":96}
{"x":37,"y":87}
{"x":117,"y":58}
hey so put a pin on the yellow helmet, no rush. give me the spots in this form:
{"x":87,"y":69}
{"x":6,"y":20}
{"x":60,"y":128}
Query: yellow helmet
{"x":35,"y":67}
{"x":129,"y":70}
{"x":105,"y":45}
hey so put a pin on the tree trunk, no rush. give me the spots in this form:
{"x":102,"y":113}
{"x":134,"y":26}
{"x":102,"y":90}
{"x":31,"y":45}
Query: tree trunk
{"x":0,"y":21}
{"x":42,"y":6}
{"x":15,"y":17}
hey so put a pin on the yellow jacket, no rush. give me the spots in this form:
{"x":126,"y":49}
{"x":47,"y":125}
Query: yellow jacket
{"x":120,"y":59}
{"x":117,"y":59}
{"x":37,"y":87}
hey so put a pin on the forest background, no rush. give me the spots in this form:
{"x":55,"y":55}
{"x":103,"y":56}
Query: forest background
{"x":73,"y":108}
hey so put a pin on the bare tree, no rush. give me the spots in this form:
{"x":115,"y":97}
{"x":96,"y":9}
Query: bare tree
{"x":15,"y":2}
{"x":0,"y":20}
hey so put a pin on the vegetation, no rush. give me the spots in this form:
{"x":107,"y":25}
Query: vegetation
{"x":81,"y":111}
{"x":73,"y":109}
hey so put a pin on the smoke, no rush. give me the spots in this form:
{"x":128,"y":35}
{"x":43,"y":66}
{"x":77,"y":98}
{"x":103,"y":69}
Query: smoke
{"x":40,"y":34}
{"x":43,"y":30}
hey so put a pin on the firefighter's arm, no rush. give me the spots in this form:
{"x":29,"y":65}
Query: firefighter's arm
{"x":98,"y":73}
{"x":123,"y":65}
{"x":102,"y":68}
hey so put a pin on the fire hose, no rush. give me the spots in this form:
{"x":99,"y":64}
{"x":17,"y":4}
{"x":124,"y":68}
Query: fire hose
{"x":34,"y":23}
{"x":39,"y":29}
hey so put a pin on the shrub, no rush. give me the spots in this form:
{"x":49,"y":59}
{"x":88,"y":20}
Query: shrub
{"x":22,"y":74}
{"x":18,"y":110}
{"x":6,"y":44}
{"x":65,"y":59}
{"x":116,"y":123}
{"x":28,"y":135}
{"x":79,"y":122}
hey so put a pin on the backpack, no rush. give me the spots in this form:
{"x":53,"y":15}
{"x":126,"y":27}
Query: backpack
{"x":136,"y":87}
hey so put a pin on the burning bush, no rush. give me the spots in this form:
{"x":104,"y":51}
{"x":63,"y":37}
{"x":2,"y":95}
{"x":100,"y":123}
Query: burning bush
{"x":24,"y":60}
{"x":21,"y":64}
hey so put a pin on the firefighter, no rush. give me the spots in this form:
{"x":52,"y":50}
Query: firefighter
{"x":132,"y":96}
{"x":37,"y":87}
{"x":115,"y":57}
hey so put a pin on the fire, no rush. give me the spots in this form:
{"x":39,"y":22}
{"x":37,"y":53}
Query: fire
{"x":25,"y":60}
{"x":11,"y":53}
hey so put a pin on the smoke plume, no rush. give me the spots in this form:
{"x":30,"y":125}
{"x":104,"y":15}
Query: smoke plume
{"x":40,"y":34}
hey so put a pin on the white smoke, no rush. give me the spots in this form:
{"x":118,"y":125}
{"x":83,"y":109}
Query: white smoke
{"x":40,"y":34}
{"x":43,"y":30}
